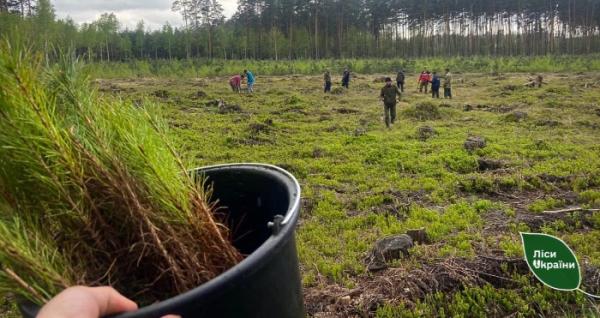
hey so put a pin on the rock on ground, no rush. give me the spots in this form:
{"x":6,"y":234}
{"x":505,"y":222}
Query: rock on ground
{"x":425,"y":132}
{"x":474,"y":142}
{"x":388,"y":249}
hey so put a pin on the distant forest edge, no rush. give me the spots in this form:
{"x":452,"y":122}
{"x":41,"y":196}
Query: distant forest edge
{"x":322,"y":29}
{"x":219,"y":67}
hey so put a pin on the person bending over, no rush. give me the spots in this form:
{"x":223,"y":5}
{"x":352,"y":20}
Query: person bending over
{"x":236,"y":83}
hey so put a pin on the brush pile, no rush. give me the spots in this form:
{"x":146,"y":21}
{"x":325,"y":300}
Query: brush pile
{"x":92,"y":193}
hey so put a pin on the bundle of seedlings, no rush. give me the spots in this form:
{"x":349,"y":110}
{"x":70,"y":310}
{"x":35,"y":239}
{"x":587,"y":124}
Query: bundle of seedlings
{"x":92,"y":193}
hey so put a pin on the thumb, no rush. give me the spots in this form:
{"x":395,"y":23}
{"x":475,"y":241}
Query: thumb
{"x":111,"y":301}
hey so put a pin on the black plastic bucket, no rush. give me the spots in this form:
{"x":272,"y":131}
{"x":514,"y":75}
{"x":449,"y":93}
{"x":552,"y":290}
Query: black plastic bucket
{"x":263,"y":204}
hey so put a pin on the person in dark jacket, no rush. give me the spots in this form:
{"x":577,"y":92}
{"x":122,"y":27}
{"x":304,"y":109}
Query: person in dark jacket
{"x":435,"y":85}
{"x":389,"y":94}
{"x":346,"y":78}
{"x":327,"y":80}
{"x":400,"y":80}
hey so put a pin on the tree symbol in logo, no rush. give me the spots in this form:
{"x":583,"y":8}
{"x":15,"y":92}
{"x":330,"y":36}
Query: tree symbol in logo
{"x":552,"y":262}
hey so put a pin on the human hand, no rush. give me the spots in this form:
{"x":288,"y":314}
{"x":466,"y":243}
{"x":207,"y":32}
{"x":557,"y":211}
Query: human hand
{"x":88,"y":302}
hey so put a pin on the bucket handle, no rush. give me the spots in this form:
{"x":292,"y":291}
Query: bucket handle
{"x":276,"y":224}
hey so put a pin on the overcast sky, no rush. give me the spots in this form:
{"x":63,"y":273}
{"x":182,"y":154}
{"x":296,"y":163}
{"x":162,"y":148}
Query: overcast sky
{"x":155,"y":13}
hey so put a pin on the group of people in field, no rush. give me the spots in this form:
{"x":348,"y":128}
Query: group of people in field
{"x":327,"y":80}
{"x":236,"y":82}
{"x":426,"y":78}
{"x":390,"y":93}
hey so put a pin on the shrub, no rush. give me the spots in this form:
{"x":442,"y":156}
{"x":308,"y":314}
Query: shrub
{"x":423,"y":111}
{"x":590,"y":197}
{"x":545,"y":204}
{"x":460,"y":162}
{"x":338,"y":90}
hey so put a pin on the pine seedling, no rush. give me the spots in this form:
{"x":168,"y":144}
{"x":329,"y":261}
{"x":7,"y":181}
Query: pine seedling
{"x":96,"y":185}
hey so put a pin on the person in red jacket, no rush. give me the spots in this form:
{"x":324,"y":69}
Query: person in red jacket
{"x":424,"y":80}
{"x":236,"y":83}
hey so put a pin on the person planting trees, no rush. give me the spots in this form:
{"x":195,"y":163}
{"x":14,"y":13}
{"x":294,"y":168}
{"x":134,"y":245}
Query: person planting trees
{"x":400,"y":80}
{"x":327,"y":80}
{"x":389,"y":94}
{"x":346,"y":78}
{"x":236,"y":83}
{"x":250,"y":80}
{"x":447,"y":84}
{"x":424,"y":80}
{"x":435,"y":86}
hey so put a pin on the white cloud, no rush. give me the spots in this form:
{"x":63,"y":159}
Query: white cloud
{"x":155,"y":13}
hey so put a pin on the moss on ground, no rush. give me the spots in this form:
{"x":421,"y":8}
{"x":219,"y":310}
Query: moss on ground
{"x":362,"y":181}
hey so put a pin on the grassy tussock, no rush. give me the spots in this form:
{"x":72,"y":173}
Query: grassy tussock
{"x":92,"y":192}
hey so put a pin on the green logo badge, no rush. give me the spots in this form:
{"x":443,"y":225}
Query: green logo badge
{"x":552,"y":261}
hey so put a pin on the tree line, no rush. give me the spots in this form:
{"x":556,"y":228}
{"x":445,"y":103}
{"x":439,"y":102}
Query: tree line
{"x":314,"y":29}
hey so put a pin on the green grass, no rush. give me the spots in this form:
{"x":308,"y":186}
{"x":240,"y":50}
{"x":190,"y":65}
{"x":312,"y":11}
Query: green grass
{"x":591,"y":198}
{"x":542,"y":205}
{"x":361,"y":181}
{"x":486,"y":301}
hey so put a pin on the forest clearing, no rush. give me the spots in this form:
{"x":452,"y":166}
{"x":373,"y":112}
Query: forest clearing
{"x":362,"y":182}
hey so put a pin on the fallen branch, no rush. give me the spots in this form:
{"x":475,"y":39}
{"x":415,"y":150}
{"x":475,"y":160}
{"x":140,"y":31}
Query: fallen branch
{"x":575,"y":209}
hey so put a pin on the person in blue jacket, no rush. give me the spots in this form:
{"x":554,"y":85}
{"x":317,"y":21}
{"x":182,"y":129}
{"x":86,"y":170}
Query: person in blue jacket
{"x":250,"y":77}
{"x":435,"y":86}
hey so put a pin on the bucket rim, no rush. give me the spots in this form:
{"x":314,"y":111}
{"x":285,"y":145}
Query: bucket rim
{"x":296,"y":185}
